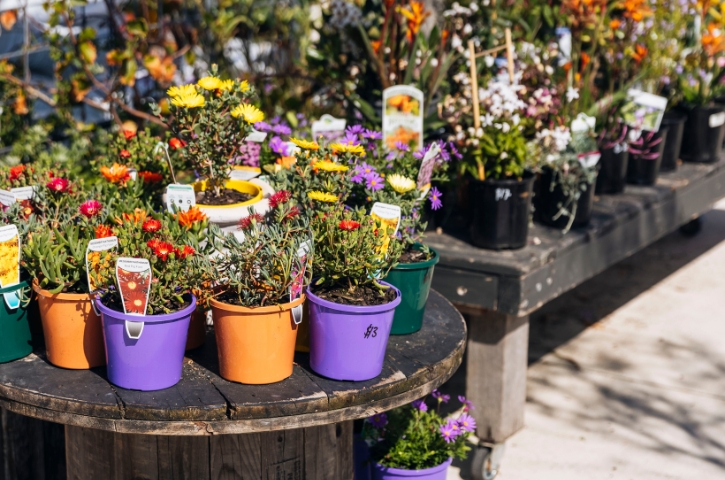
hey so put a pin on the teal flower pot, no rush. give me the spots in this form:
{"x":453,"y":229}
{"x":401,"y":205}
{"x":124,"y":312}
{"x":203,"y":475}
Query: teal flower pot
{"x":413,"y":280}
{"x":15,"y":340}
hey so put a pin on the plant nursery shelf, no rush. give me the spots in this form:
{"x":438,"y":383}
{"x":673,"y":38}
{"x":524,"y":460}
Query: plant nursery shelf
{"x":302,"y":424}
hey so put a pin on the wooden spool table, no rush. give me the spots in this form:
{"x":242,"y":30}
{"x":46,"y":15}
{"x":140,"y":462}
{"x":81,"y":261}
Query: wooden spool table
{"x":208,"y":428}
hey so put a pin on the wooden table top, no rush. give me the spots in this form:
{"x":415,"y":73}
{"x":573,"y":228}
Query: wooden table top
{"x":203,"y":403}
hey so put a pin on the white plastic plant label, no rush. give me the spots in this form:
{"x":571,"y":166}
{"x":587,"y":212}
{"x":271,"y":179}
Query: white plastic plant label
{"x":583,"y":123}
{"x":589,"y":160}
{"x":328,"y":123}
{"x":643,"y":111}
{"x":24,"y":193}
{"x":387,"y":214}
{"x":716,"y":120}
{"x":133,"y":276}
{"x":426,"y":168}
{"x":7,"y":198}
{"x":245,"y":173}
{"x":180,"y":197}
{"x":256,"y":136}
{"x":10,"y":263}
{"x":133,"y":173}
{"x":403,"y":117}
{"x":299,"y":276}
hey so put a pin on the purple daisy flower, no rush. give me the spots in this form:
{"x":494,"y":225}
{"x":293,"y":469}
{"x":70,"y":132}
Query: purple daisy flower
{"x":378,"y":420}
{"x":350,"y":139}
{"x":358,"y":175}
{"x":420,"y":405}
{"x":354,"y":130}
{"x":367,"y":169}
{"x":454,"y":151}
{"x":391,"y":156}
{"x":448,"y":433}
{"x":436,"y":394}
{"x":374,"y":182}
{"x":403,"y":147}
{"x":467,"y":405}
{"x":263,"y":126}
{"x":282,"y":129}
{"x":278,"y":146}
{"x":467,"y":423}
{"x":435,"y":198}
{"x":372,"y":135}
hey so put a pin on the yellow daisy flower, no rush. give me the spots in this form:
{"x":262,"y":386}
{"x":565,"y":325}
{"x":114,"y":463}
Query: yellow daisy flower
{"x":180,"y":91}
{"x":227,"y":85}
{"x":191,"y":100}
{"x":354,"y":149}
{"x":306,"y":144}
{"x":322,"y":196}
{"x":400,"y":183}
{"x":329,"y":166}
{"x":249,"y":113}
{"x":210,"y":83}
{"x":244,"y":86}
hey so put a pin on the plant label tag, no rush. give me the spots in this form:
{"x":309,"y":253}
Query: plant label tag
{"x":292,"y":148}
{"x":328,"y":123}
{"x":95,"y":257}
{"x":298,"y":277}
{"x":297,"y":313}
{"x":643,"y":111}
{"x":7,"y":198}
{"x":387,"y":214}
{"x":10,"y":263}
{"x":563,"y":36}
{"x":426,"y":167}
{"x":133,"y":173}
{"x":589,"y":160}
{"x":256,"y":136}
{"x":716,"y":120}
{"x":134,"y":281}
{"x":403,"y":117}
{"x":245,"y":173}
{"x":23,"y":193}
{"x":583,"y":123}
{"x":134,"y":329}
{"x":180,"y":197}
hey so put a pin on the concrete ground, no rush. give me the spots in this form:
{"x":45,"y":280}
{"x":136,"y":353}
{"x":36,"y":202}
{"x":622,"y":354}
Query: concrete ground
{"x":626,"y":373}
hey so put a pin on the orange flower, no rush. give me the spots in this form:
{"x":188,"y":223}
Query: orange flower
{"x":129,"y":134}
{"x":15,"y":172}
{"x":286,"y":162}
{"x":637,"y":10}
{"x":103,"y":231}
{"x":402,"y":135}
{"x":712,"y":41}
{"x":138,"y":216}
{"x":190,"y":217}
{"x":376,"y":44}
{"x":615,"y":24}
{"x":640,"y":52}
{"x":415,"y":16}
{"x":585,"y":60}
{"x":116,"y":174}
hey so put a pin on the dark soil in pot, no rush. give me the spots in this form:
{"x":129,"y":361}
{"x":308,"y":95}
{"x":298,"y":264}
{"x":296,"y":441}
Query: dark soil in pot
{"x":364,"y":296}
{"x":227,"y":196}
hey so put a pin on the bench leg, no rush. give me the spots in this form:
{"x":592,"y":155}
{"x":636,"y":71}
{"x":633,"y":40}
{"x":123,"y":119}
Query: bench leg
{"x":496,"y":373}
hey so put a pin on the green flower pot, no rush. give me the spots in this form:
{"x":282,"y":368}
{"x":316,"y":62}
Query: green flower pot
{"x":15,"y":338}
{"x":413,"y":280}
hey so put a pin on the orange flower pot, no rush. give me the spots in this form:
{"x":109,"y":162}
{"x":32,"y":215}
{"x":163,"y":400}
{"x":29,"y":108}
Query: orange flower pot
{"x":255,"y":345}
{"x":197,"y":330}
{"x":73,"y":332}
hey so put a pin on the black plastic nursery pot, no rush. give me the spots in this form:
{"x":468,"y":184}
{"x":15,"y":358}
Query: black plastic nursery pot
{"x":500,"y":212}
{"x":547,"y":201}
{"x":641,"y":171}
{"x":703,"y":134}
{"x":674,"y":123}
{"x":612,"y":175}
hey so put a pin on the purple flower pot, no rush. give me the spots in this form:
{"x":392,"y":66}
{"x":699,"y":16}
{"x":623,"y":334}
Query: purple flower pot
{"x":145,"y":352}
{"x":348,"y":342}
{"x":435,"y":473}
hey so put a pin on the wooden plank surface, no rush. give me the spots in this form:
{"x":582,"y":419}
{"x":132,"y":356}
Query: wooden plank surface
{"x":204,"y":404}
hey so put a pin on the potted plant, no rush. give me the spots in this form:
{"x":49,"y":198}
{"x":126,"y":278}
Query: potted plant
{"x":146,"y":307}
{"x":416,"y":441}
{"x":211,"y":120}
{"x":351,"y":311}
{"x":258,"y":298}
{"x":645,"y":157}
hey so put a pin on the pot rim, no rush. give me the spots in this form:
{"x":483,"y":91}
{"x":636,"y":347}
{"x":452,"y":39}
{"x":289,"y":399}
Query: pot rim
{"x":15,"y":286}
{"x":357,"y":308}
{"x":528,"y":176}
{"x":411,"y":473}
{"x":420,"y":265}
{"x":160,"y":318}
{"x":78,"y":297}
{"x":216,"y":304}
{"x":230,"y":184}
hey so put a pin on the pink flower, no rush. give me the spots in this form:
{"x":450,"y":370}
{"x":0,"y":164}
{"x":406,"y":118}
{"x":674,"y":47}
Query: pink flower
{"x":91,"y":208}
{"x":58,"y":185}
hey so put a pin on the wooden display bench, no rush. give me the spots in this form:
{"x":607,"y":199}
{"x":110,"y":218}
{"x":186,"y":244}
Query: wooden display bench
{"x":208,"y":428}
{"x":498,"y":290}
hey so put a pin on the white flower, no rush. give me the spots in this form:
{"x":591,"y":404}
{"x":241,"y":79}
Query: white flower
{"x":473,"y":7}
{"x":467,"y":29}
{"x":487,"y":120}
{"x":488,"y":60}
{"x":456,"y":41}
{"x":572,"y":94}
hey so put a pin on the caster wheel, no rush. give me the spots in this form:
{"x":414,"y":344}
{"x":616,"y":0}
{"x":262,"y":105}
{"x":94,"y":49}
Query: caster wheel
{"x":483,"y":467}
{"x":691,"y":228}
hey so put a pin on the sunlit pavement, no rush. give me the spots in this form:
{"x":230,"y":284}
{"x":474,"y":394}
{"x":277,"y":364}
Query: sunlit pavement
{"x":627,"y":372}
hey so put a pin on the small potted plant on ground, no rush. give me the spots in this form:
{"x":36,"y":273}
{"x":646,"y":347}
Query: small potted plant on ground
{"x":258,"y":299}
{"x":146,"y":303}
{"x":211,"y":121}
{"x":416,"y":442}
{"x":351,"y":312}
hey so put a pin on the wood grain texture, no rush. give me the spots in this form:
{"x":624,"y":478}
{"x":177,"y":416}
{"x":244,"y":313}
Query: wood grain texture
{"x":32,"y":449}
{"x":205,"y":404}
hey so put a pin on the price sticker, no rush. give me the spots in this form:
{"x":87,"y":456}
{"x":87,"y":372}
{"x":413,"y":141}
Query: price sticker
{"x":180,"y":197}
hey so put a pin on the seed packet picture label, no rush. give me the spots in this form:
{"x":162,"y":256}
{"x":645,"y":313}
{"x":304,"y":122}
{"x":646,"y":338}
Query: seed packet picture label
{"x":327,"y":124}
{"x":134,"y":282}
{"x":180,"y":197}
{"x":10,"y":263}
{"x":98,"y":261}
{"x":387,"y":214}
{"x":402,"y":117}
{"x":643,"y":111}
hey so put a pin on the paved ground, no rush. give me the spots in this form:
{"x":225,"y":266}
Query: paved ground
{"x":627,"y":372}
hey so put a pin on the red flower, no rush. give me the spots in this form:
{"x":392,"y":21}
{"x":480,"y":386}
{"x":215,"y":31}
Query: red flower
{"x":279,"y":198}
{"x":162,"y":249}
{"x":103,"y":231}
{"x":15,"y":172}
{"x":293,"y":212}
{"x":153,"y":243}
{"x":246,"y":222}
{"x":151,"y":226}
{"x":125,"y":153}
{"x":150,"y":177}
{"x":349,"y":225}
{"x":59,"y":185}
{"x":176,"y":143}
{"x":91,"y":208}
{"x":185,"y":252}
{"x":129,"y":134}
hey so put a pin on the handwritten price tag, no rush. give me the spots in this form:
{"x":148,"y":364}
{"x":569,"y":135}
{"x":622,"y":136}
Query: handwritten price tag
{"x":370,"y":332}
